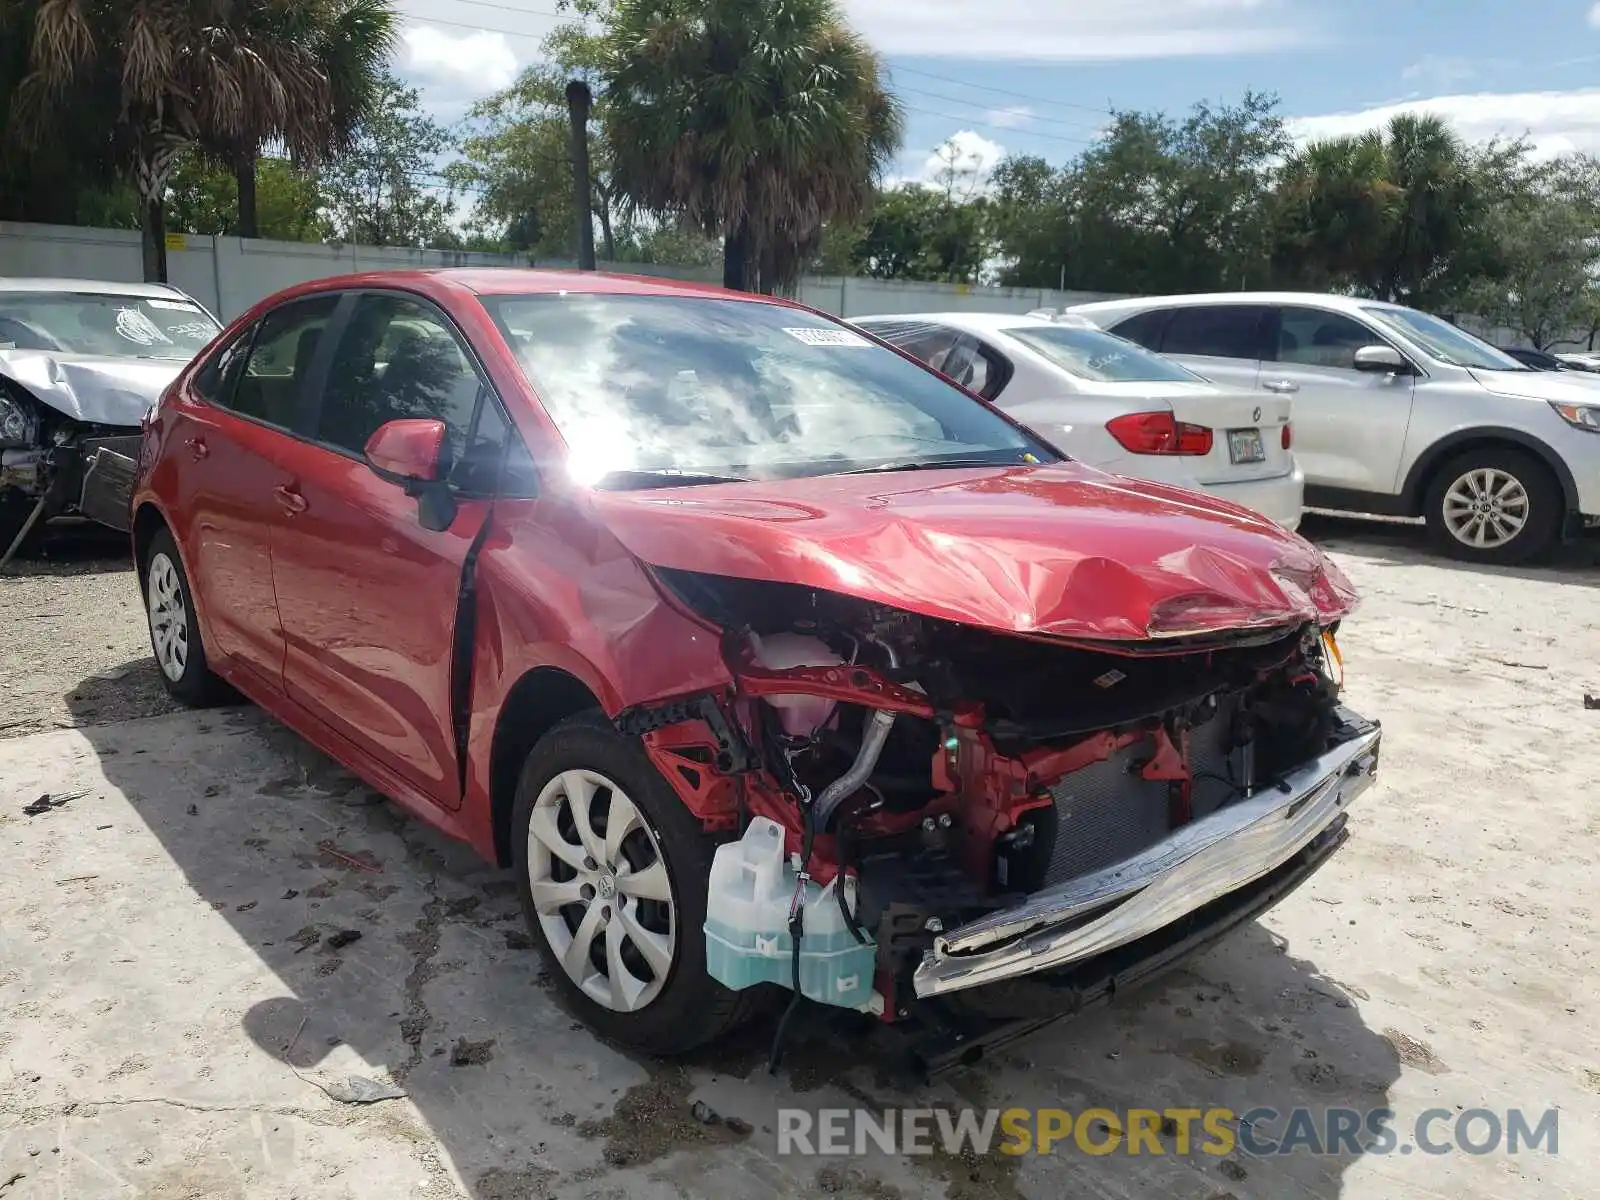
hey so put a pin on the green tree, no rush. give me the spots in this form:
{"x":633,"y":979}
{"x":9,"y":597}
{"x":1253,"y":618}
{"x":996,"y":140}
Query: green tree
{"x":755,"y":122}
{"x":921,"y":233}
{"x":387,"y":190}
{"x":1546,"y":288}
{"x":160,"y":76}
{"x":203,"y":197}
{"x":1157,"y":205}
{"x":320,"y":96}
{"x":1408,"y":213}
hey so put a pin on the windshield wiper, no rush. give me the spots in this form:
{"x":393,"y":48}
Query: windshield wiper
{"x":921,"y":465}
{"x":664,"y":477}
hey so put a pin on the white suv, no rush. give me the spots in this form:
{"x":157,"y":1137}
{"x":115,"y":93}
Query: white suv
{"x":1396,"y":412}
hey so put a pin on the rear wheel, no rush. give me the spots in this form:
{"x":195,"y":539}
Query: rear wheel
{"x":1494,"y":505}
{"x":175,"y":639}
{"x":612,"y":872}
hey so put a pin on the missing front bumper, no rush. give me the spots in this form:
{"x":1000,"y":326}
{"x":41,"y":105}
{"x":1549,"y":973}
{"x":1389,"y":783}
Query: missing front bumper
{"x":1191,"y":868}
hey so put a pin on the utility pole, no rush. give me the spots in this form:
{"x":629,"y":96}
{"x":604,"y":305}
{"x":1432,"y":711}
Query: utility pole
{"x":579,"y":101}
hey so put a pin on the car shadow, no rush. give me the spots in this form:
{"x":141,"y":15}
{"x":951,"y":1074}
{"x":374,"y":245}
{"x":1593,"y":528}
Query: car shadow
{"x":72,"y":547}
{"x":1406,"y":544}
{"x":442,"y":993}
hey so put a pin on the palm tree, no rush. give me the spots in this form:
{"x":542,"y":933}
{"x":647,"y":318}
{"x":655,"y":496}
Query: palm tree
{"x":164,"y":75}
{"x":329,"y":56}
{"x":755,"y":121}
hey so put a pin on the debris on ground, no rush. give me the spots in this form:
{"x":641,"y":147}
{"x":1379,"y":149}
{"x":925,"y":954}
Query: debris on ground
{"x":1591,"y":701}
{"x":290,"y":894}
{"x":704,"y":1113}
{"x":47,"y":802}
{"x":471,"y":1054}
{"x":76,"y":879}
{"x":356,"y":1089}
{"x":356,"y":862}
{"x":343,"y":938}
{"x":308,"y":937}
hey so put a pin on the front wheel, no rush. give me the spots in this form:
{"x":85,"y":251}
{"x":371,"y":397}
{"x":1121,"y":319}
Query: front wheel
{"x":612,"y":872}
{"x":1494,"y":506}
{"x":174,"y":633}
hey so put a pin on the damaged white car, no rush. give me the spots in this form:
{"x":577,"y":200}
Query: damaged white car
{"x":81,"y":362}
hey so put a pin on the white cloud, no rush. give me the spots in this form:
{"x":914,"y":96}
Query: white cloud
{"x":1135,"y":29}
{"x":1594,"y":17}
{"x":477,"y":62}
{"x":1554,"y":122}
{"x":1014,"y":117}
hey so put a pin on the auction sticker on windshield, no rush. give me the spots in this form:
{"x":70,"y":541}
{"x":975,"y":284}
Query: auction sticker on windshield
{"x":828,"y":337}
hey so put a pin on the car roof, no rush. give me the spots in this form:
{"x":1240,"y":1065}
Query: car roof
{"x":513,"y":281}
{"x":1319,"y":299}
{"x":102,"y":287}
{"x":977,"y":321}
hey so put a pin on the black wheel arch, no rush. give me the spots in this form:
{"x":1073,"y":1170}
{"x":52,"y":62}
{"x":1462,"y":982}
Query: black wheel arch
{"x":1484,"y":437}
{"x":536,"y":703}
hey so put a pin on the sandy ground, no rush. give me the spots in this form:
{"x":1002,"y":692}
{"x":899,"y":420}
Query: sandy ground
{"x":172,"y":1011}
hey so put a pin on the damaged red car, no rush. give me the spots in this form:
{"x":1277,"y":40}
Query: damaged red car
{"x":768,"y":658}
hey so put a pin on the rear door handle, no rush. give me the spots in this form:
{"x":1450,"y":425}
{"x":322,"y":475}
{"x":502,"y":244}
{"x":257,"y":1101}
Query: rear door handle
{"x":1284,"y":387}
{"x":292,"y":501}
{"x":197,"y":447}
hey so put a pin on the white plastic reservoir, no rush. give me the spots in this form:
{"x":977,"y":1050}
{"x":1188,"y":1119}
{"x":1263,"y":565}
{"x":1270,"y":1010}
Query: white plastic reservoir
{"x":747,"y":925}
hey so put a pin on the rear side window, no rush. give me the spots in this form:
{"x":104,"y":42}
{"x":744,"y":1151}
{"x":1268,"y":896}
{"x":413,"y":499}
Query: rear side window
{"x":272,"y":387}
{"x":953,"y":353}
{"x":1217,"y":331}
{"x":1312,"y":337}
{"x":1146,"y":328}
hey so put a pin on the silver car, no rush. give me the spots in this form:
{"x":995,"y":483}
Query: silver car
{"x":81,"y":361}
{"x":1396,"y":412}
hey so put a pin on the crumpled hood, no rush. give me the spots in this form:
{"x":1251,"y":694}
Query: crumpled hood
{"x":102,"y":391}
{"x":1062,"y":550}
{"x":1561,"y":386}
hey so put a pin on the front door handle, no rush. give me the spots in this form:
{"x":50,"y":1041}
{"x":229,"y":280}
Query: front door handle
{"x":1283,"y":387}
{"x":197,"y":447}
{"x":291,"y":500}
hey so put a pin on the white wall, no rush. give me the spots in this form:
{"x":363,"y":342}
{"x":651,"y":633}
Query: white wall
{"x":229,"y":274}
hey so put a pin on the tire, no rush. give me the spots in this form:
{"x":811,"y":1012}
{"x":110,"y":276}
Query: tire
{"x":678,"y":1007}
{"x":175,"y":641}
{"x":1512,"y":483}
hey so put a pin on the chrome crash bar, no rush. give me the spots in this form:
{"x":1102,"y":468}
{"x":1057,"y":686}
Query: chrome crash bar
{"x":1195,"y":865}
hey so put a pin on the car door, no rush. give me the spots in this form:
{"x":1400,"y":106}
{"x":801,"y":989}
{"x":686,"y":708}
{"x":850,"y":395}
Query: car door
{"x":369,"y":595}
{"x":1349,"y":425}
{"x":234,"y":426}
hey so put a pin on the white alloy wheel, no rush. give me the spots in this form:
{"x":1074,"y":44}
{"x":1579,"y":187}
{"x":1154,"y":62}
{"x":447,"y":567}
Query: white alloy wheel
{"x":1486,"y":508}
{"x":600,"y":890}
{"x":169,"y":618}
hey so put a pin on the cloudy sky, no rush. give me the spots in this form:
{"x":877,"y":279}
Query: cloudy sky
{"x":1037,"y":77}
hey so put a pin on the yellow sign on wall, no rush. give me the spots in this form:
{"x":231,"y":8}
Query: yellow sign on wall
{"x":175,"y":242}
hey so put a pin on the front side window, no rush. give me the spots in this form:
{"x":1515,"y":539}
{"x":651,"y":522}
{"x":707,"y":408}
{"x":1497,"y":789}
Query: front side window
{"x":1450,"y":345}
{"x":1098,"y":356}
{"x":107,"y":326}
{"x":652,"y":389}
{"x":398,"y":358}
{"x":272,"y":387}
{"x":1216,"y":331}
{"x":1312,"y":337}
{"x":218,"y":376}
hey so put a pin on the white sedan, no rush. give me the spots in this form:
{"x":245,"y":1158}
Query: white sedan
{"x":1110,"y":403}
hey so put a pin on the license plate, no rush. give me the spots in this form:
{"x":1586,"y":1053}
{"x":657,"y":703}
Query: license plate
{"x":1246,"y":446}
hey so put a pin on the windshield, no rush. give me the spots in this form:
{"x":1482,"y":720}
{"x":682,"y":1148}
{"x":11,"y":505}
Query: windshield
{"x":1100,"y":356}
{"x":646,"y":387}
{"x":1442,"y":340}
{"x":112,"y":326}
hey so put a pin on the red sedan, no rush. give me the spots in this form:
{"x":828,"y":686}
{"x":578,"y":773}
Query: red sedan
{"x":768,"y":658}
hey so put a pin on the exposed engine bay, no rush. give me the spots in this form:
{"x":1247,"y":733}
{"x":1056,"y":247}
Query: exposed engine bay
{"x":952,"y":773}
